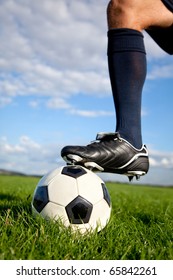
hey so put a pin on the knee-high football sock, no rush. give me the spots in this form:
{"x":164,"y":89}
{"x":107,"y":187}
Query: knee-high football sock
{"x":127,"y":70}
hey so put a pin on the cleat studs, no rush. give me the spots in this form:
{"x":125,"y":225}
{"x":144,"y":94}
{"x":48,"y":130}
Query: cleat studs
{"x":130,"y":178}
{"x":91,"y":168}
{"x":137,"y":177}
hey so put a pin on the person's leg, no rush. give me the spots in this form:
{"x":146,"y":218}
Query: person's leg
{"x":111,"y":152}
{"x":127,"y":59}
{"x":127,"y":69}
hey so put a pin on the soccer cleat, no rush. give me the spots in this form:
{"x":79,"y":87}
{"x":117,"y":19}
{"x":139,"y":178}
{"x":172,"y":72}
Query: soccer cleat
{"x":109,"y":153}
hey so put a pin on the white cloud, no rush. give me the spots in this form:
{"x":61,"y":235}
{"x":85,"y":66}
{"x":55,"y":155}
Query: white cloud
{"x":34,"y":103}
{"x":161,"y":159}
{"x":90,"y":113}
{"x":161,"y":72}
{"x":5,"y":101}
{"x":50,"y":49}
{"x":28,"y":156}
{"x":57,"y":49}
{"x":58,"y":103}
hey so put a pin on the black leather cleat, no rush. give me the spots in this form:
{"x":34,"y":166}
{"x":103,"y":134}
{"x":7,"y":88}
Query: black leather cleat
{"x":109,"y":153}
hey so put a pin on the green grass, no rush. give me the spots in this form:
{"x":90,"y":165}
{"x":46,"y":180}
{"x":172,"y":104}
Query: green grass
{"x":141,"y":226}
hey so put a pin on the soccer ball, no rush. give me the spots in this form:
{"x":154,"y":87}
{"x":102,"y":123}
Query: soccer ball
{"x":74,"y":195}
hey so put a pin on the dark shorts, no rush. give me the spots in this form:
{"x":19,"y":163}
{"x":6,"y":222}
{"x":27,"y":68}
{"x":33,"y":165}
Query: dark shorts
{"x":164,"y":37}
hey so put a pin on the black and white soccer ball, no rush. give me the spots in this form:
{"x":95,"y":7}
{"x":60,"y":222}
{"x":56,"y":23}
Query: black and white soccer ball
{"x":76,"y":196}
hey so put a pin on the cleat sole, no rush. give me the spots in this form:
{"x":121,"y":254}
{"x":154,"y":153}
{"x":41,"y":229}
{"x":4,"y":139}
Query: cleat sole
{"x":93,"y":166}
{"x":73,"y":159}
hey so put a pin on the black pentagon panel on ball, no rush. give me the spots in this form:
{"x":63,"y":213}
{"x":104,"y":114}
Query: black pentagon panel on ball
{"x":79,"y":210}
{"x":41,"y":198}
{"x":73,"y":171}
{"x":106,"y":195}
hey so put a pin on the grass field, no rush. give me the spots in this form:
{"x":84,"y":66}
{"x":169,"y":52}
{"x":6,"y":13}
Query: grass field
{"x":141,"y":226}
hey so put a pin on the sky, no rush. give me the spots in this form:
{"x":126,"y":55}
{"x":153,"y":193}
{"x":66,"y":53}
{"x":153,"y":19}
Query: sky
{"x":55,"y":88}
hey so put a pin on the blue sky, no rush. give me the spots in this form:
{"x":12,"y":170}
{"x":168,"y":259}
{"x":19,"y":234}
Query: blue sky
{"x":55,"y":89}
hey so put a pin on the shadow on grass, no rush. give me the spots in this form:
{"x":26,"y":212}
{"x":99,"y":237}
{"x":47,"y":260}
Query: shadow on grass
{"x":14,"y":204}
{"x":7,"y":197}
{"x":146,"y":218}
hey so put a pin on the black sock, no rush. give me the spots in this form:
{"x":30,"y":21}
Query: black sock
{"x":127,"y":69}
